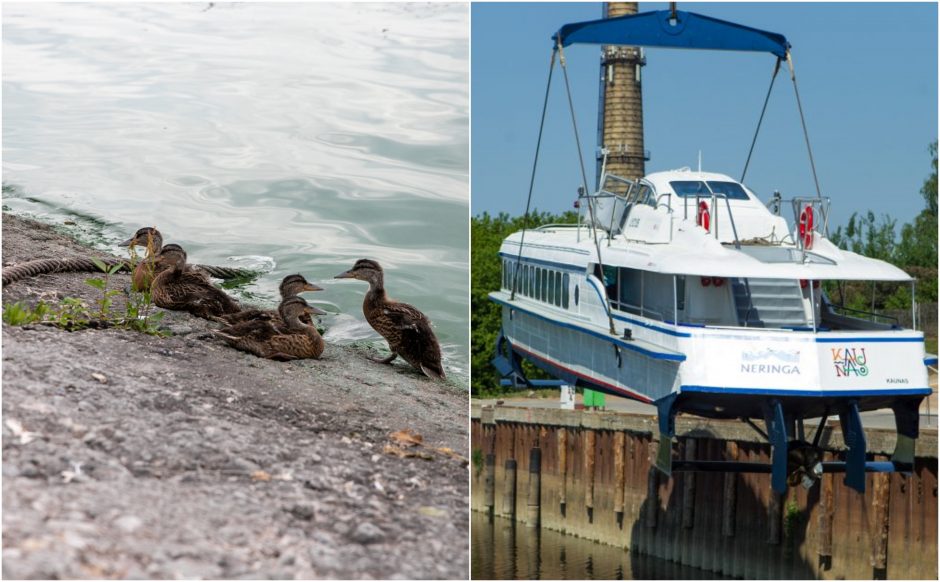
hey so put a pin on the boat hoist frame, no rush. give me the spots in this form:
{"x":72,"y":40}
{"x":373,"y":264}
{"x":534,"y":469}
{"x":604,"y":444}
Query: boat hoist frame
{"x":793,"y":459}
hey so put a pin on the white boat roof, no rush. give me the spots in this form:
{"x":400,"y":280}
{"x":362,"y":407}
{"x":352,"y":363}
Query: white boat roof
{"x":693,"y":253}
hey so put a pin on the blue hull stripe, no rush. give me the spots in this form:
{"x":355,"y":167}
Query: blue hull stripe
{"x":601,"y":336}
{"x":818,"y":393}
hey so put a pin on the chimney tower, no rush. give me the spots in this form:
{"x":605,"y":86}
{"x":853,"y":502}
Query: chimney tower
{"x":620,"y":127}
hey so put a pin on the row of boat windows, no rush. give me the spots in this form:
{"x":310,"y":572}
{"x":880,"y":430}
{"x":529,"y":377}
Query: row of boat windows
{"x":538,"y":283}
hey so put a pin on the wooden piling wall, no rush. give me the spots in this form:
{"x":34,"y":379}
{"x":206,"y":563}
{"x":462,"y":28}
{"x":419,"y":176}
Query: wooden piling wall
{"x":599,"y":464}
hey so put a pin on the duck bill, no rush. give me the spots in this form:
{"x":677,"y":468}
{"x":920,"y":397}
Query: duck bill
{"x":312,"y":287}
{"x":345,"y":275}
{"x":128,"y":243}
{"x":315,"y":310}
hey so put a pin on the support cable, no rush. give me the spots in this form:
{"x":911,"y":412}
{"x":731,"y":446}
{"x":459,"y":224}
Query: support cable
{"x":538,"y":145}
{"x":761,"y":120}
{"x":577,"y":140}
{"x":799,"y":106}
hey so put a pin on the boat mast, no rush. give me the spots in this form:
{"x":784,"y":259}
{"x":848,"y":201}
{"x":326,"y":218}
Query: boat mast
{"x":620,"y":127}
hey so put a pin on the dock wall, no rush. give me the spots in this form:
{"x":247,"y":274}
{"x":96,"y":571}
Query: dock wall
{"x":589,"y":474}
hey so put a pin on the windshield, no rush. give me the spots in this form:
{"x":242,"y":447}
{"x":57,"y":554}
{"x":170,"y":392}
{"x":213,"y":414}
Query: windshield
{"x":688,"y":188}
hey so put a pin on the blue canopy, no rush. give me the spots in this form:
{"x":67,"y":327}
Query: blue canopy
{"x":688,"y":30}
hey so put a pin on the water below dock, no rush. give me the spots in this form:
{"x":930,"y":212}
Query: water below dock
{"x":502,"y":550}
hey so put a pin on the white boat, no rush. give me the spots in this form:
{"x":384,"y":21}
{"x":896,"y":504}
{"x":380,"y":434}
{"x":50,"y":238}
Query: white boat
{"x":684,"y":290}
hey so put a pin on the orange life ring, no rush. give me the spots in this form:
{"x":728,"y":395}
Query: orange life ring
{"x":703,"y":218}
{"x":806,"y":227}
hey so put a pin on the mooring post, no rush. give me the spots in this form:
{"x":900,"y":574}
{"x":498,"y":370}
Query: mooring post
{"x":688,"y":488}
{"x":618,"y":476}
{"x":590,"y":442}
{"x":652,"y":487}
{"x":826,"y":515}
{"x":774,"y":513}
{"x":509,"y":489}
{"x":728,"y":504}
{"x":489,"y":483}
{"x":563,"y":467}
{"x":534,"y":499}
{"x":879,"y":529}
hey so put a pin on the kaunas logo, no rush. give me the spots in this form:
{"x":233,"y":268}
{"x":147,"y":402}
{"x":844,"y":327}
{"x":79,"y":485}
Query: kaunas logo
{"x":850,"y":362}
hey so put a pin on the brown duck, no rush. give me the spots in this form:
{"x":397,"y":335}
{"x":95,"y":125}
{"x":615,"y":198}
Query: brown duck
{"x":151,"y":239}
{"x":407,"y":330}
{"x":291,"y":341}
{"x":178,"y":287}
{"x":291,"y":286}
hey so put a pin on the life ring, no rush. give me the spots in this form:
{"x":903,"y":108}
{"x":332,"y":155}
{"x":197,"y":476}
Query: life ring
{"x":806,"y":227}
{"x":706,"y":281}
{"x":703,"y":218}
{"x":718,"y":281}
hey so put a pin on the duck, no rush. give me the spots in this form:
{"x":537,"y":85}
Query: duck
{"x":291,"y":286}
{"x":264,"y":338}
{"x":152,"y":240}
{"x":178,"y":287}
{"x":407,"y":330}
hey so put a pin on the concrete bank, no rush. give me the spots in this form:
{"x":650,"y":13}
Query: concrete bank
{"x":589,"y":474}
{"x":131,"y":456}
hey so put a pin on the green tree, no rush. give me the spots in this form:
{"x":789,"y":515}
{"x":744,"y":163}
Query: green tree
{"x":487,"y":233}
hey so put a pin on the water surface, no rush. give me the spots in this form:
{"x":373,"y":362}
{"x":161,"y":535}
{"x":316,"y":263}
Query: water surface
{"x":501,"y":550}
{"x":283,"y":137}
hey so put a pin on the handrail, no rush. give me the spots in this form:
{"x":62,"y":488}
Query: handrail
{"x":870,"y":314}
{"x":714,"y":196}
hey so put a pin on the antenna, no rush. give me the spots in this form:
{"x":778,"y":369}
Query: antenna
{"x":700,"y":161}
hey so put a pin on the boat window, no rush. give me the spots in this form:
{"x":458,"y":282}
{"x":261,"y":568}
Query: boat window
{"x":630,"y":291}
{"x":564,"y":290}
{"x":691,"y":188}
{"x":557,"y":288}
{"x":732,"y":190}
{"x":680,"y":292}
{"x":550,"y":292}
{"x":577,"y":293}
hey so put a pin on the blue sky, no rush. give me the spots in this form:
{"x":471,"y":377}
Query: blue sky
{"x":867,"y":75}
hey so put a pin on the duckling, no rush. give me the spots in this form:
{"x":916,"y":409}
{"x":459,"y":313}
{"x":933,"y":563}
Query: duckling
{"x":178,"y":287}
{"x":143,"y":274}
{"x":407,"y":330}
{"x":291,"y":341}
{"x":291,"y":286}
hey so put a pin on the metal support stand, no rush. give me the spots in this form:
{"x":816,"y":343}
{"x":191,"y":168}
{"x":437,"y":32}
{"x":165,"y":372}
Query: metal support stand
{"x":854,"y":437}
{"x":777,"y":433}
{"x":666,"y":412}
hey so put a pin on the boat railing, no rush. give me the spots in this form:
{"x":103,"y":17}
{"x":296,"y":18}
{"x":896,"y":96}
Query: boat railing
{"x":799,"y":205}
{"x":715,"y":196}
{"x":871,"y":316}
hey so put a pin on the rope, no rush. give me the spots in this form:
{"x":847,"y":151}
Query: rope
{"x":577,"y":140}
{"x":761,"y":120}
{"x":83,"y":264}
{"x":44,"y":266}
{"x":799,"y":106}
{"x":528,"y":202}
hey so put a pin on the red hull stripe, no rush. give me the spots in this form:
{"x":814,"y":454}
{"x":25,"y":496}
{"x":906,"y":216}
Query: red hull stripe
{"x":627,"y":393}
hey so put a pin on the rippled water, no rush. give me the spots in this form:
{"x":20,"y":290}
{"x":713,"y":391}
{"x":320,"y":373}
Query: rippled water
{"x":287,"y":137}
{"x":500,"y":550}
